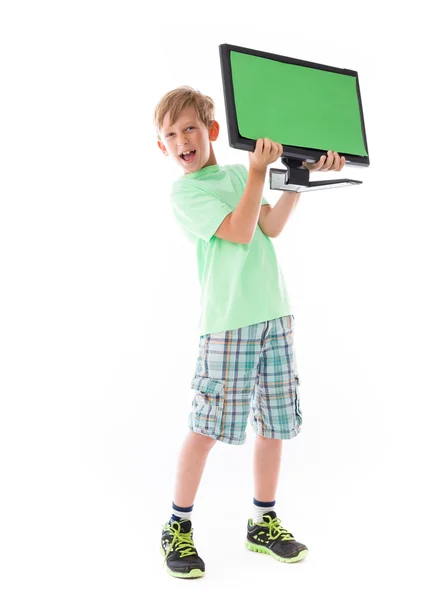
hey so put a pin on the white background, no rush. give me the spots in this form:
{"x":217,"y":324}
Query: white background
{"x":100,"y":302}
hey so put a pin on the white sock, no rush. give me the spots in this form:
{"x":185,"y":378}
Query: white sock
{"x":181,"y":512}
{"x":260,"y":508}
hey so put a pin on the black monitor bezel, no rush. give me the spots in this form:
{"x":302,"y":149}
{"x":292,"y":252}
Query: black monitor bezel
{"x":294,"y":152}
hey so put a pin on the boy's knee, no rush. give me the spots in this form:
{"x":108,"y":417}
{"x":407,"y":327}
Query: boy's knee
{"x":204,"y":440}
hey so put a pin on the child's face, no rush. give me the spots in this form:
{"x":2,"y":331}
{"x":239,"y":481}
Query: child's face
{"x":189,"y":133}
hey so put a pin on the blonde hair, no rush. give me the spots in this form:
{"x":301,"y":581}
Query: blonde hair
{"x":180,"y":98}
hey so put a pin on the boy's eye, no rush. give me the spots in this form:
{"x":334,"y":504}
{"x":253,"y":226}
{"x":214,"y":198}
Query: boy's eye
{"x":169,"y":134}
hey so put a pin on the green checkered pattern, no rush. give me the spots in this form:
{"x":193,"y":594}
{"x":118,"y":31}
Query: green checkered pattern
{"x":247,"y":374}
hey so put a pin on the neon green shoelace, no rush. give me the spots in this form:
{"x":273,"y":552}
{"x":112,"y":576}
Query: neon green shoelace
{"x":182,"y":541}
{"x":276,"y":530}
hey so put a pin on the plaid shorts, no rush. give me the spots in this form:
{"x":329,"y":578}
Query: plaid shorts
{"x":247,"y":374}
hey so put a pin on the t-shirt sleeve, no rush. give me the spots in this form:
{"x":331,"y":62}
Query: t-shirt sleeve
{"x":244,"y":172}
{"x":197,"y":211}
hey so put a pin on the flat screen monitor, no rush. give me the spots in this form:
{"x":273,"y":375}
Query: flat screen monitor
{"x":308,"y":107}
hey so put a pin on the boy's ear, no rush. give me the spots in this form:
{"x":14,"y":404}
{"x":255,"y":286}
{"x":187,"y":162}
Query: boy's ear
{"x":214,"y":130}
{"x":162,"y":148}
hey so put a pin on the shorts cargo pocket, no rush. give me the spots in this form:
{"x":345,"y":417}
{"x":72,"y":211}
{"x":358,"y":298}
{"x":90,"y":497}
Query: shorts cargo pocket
{"x":207,"y":408}
{"x":297,"y":401}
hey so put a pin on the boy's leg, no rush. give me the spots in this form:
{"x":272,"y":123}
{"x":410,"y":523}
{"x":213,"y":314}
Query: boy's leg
{"x":265,"y":533}
{"x":191,"y":464}
{"x":177,"y":545}
{"x":276,"y":416}
{"x":266,"y":467}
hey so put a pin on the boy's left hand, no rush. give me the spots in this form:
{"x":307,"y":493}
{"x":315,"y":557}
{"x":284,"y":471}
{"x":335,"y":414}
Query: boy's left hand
{"x":332,"y":162}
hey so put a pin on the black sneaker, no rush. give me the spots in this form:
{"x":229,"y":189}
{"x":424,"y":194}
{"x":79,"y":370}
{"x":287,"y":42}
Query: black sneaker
{"x":269,"y":537}
{"x":179,"y":550}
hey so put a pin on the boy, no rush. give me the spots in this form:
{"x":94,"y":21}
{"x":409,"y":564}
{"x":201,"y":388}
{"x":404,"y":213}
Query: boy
{"x":246,"y":366}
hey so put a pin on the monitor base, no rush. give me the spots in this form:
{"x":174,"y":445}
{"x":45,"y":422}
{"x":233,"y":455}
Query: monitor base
{"x":297,"y":179}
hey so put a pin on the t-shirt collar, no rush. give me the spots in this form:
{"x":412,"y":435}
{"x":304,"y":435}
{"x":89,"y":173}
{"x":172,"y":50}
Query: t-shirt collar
{"x":203,"y":171}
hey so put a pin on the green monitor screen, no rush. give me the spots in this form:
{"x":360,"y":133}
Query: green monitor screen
{"x":307,"y":107}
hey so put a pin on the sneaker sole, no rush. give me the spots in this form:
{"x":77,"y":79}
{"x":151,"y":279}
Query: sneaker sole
{"x":263,"y":550}
{"x":194,"y":573}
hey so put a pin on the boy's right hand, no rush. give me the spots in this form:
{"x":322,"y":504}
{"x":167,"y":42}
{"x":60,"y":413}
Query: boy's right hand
{"x":265,"y":153}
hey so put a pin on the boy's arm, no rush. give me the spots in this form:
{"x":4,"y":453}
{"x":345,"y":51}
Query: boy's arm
{"x":272,"y":220}
{"x":240,"y":225}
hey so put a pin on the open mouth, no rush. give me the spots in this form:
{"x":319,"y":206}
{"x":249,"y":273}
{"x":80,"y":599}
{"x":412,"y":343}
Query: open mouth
{"x":188,"y":156}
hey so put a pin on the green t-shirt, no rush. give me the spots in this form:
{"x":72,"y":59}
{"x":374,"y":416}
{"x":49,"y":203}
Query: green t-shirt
{"x":241,"y":284}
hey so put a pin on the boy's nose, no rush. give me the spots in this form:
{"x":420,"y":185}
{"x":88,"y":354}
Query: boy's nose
{"x":182,"y":141}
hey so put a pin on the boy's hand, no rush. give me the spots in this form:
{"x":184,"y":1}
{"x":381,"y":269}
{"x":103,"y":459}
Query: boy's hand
{"x":265,"y":153}
{"x":332,"y":162}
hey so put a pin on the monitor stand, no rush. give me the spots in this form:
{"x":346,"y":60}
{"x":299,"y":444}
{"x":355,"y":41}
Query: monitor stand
{"x":297,"y":178}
